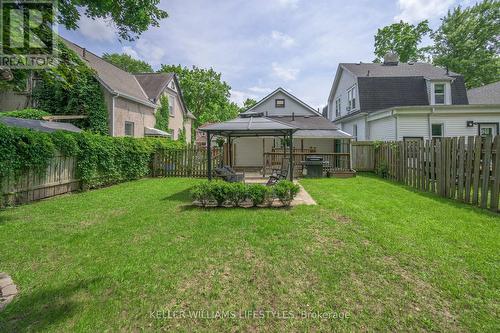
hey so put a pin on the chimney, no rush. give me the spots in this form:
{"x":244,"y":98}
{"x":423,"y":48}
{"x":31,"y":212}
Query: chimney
{"x":84,"y":52}
{"x":391,"y":59}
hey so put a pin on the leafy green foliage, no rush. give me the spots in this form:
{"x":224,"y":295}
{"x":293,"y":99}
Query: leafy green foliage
{"x":236,"y":193}
{"x":71,"y":88}
{"x":259,"y":194}
{"x":101,"y":160}
{"x":205,"y":94}
{"x":401,"y":38}
{"x":202,"y":193}
{"x":285,"y":191}
{"x":163,"y":114}
{"x":131,"y":18}
{"x":26,"y":114}
{"x":467,"y":42}
{"x":249,"y":102}
{"x":127,"y":63}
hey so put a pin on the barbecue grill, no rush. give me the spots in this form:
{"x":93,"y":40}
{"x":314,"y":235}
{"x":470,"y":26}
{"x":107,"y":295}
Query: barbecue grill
{"x":313,"y":165}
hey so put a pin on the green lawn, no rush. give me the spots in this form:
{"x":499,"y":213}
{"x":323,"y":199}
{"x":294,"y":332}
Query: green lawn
{"x":389,"y":257}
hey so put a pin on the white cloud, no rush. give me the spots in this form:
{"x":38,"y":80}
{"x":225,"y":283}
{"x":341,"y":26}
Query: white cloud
{"x":417,"y":10}
{"x":239,"y":97}
{"x":130,"y":51}
{"x":260,"y":90}
{"x":144,"y":49}
{"x":284,"y":40}
{"x":284,"y":73}
{"x":99,"y":29}
{"x":288,"y":3}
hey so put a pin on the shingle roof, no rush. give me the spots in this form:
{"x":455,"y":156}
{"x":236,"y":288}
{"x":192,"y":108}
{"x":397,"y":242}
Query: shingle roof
{"x":377,"y":93}
{"x":153,"y":83}
{"x":112,"y":77}
{"x":39,"y":125}
{"x":488,"y":94}
{"x":401,"y":70}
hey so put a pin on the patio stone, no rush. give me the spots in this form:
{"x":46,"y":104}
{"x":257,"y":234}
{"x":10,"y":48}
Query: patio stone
{"x":10,"y":290}
{"x":4,"y":282}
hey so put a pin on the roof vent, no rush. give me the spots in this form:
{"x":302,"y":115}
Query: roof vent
{"x":391,"y":59}
{"x":84,"y":53}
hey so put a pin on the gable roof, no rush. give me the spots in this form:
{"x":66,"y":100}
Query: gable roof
{"x":114,"y":79}
{"x":283,"y":91}
{"x":154,"y":83}
{"x":487,"y":94}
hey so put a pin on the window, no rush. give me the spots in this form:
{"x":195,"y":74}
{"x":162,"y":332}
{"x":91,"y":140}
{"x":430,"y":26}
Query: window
{"x":129,"y":128}
{"x":437,"y":130}
{"x":337,"y":107}
{"x":351,"y":99}
{"x":279,"y":103}
{"x":355,"y":132}
{"x":171,"y":104}
{"x":439,"y":93}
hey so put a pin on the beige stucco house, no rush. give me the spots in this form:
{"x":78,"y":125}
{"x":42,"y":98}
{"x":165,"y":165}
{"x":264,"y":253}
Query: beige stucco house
{"x":131,"y":100}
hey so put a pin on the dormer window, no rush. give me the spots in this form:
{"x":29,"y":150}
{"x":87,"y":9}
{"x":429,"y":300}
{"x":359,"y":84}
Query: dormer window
{"x":279,"y":103}
{"x":351,"y":99}
{"x":439,"y":93}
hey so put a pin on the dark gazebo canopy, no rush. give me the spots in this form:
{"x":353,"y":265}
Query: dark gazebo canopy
{"x":248,"y":125}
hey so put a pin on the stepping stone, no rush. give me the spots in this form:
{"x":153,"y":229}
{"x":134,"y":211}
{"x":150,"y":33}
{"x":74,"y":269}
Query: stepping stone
{"x":4,"y":282}
{"x":10,"y":290}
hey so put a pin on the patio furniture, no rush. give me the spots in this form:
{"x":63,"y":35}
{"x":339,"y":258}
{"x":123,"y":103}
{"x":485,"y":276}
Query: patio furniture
{"x":227,"y":174}
{"x":280,"y":174}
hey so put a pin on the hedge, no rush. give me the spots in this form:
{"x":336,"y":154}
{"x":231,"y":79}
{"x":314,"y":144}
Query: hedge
{"x":222,"y":194}
{"x":26,"y":114}
{"x":101,"y":160}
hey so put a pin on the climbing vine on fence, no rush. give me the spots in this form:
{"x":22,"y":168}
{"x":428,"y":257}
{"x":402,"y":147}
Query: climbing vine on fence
{"x":101,"y":160}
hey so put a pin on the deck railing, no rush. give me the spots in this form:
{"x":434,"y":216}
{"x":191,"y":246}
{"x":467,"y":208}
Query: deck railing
{"x":332,"y":162}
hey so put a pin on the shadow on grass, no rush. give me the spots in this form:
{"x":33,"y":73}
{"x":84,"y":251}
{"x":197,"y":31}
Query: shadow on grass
{"x":429,"y":195}
{"x":42,"y":308}
{"x":182,"y":196}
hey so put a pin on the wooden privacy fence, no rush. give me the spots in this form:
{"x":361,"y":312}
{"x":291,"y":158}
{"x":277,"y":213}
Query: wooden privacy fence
{"x":188,"y":162}
{"x":464,"y":169}
{"x":363,"y":158}
{"x":58,"y":178}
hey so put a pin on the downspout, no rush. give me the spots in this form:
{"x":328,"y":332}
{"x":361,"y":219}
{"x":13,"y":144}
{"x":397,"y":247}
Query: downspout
{"x":397,"y":125}
{"x":113,"y":116}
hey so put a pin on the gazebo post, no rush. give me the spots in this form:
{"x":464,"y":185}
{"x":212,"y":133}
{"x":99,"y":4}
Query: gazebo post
{"x":209,"y":156}
{"x":291,"y":156}
{"x":229,"y":152}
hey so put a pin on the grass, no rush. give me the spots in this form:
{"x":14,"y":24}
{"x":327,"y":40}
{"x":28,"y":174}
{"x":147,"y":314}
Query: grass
{"x":127,"y":257}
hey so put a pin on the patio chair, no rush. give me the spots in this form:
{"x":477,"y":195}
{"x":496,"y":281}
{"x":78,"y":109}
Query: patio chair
{"x":281,"y":174}
{"x":227,"y":174}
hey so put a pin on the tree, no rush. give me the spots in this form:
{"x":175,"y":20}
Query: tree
{"x":205,"y":94}
{"x":127,"y":63}
{"x":249,"y":102}
{"x":401,"y":38}
{"x":131,"y":18}
{"x":467,"y":42}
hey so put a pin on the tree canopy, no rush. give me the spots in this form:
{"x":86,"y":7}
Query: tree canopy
{"x":205,"y":93}
{"x":131,"y":18}
{"x":127,"y":63}
{"x":467,"y":42}
{"x":401,"y":38}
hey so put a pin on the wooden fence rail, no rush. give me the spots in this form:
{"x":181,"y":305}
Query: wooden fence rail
{"x":464,"y":169}
{"x":188,"y":162}
{"x":61,"y":175}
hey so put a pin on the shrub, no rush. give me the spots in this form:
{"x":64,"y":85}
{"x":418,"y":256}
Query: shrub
{"x":383,"y":170}
{"x":26,"y":114}
{"x":202,"y":193}
{"x":236,"y":193}
{"x":219,"y":190}
{"x":286,"y":191}
{"x":258,"y":194}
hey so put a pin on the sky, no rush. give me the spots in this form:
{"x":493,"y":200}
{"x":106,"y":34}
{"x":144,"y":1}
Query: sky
{"x":260,"y":45}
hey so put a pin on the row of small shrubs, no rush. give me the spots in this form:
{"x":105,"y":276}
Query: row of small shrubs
{"x":26,"y":114}
{"x":101,"y":160}
{"x":223,"y":194}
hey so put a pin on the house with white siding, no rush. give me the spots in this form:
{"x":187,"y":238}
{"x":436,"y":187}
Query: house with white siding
{"x":398,"y":101}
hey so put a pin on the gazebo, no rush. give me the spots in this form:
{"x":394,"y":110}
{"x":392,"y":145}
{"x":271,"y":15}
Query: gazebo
{"x":249,"y":125}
